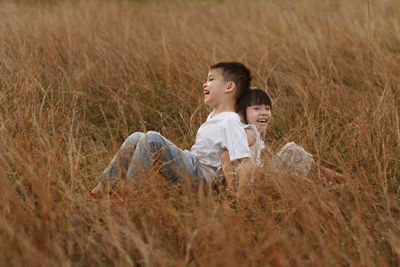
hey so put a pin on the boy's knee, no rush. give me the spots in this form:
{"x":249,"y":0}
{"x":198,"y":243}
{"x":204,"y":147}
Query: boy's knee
{"x":133,"y":138}
{"x":153,"y":136}
{"x":136,"y":135}
{"x":154,"y":140}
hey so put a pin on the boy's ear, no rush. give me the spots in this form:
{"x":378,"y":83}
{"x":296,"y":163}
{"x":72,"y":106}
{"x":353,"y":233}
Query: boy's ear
{"x":231,"y":87}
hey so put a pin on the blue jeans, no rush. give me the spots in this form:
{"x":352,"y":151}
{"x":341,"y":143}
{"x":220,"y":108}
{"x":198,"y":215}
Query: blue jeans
{"x":141,"y":150}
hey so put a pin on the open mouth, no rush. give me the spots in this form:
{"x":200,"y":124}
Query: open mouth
{"x":206,"y":92}
{"x":262,"y":121}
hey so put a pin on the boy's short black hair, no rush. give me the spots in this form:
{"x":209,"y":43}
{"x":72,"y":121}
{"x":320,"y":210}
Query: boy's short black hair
{"x":236,"y":72}
{"x":253,"y":96}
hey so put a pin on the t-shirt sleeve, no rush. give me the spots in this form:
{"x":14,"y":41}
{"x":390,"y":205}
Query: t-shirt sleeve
{"x":234,"y":139}
{"x":251,"y":127}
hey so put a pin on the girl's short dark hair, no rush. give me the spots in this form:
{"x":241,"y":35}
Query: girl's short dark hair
{"x":254,"y":96}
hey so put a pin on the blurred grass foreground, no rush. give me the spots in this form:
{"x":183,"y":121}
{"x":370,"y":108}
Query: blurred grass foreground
{"x":77,"y":77}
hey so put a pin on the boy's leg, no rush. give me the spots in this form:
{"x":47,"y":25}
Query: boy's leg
{"x":120,"y":163}
{"x":175,"y":163}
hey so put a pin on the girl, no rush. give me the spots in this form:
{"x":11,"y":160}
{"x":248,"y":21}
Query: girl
{"x":255,"y":111}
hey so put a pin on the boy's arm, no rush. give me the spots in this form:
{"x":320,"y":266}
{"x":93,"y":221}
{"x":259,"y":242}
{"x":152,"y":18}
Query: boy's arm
{"x":237,"y":140}
{"x":244,"y":172}
{"x":228,"y":170}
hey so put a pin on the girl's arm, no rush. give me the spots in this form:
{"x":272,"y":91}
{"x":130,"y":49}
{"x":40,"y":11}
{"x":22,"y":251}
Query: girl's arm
{"x":331,"y":175}
{"x":251,"y":136}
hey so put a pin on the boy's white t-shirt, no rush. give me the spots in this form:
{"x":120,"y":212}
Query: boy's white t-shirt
{"x":224,"y":130}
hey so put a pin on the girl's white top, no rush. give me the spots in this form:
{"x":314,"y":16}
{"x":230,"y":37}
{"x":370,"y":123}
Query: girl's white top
{"x":256,"y":148}
{"x":224,"y":130}
{"x":292,"y":158}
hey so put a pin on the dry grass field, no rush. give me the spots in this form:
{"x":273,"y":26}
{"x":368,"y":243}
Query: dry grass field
{"x":77,"y":77}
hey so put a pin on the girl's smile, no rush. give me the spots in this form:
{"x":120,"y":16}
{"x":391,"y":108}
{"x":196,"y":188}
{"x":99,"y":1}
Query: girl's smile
{"x":259,"y":115}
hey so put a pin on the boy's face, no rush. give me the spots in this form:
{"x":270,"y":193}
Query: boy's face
{"x":259,"y":115}
{"x":214,"y":88}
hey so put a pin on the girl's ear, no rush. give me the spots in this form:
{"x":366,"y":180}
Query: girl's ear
{"x":230,"y":88}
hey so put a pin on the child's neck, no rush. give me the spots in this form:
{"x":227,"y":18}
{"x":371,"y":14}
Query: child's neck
{"x":225,"y":108}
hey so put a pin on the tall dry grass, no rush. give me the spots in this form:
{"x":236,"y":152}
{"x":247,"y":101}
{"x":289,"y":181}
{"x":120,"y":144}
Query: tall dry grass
{"x":76,"y":78}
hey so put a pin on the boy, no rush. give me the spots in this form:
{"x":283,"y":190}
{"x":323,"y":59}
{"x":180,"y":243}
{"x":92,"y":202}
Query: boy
{"x":226,"y":83}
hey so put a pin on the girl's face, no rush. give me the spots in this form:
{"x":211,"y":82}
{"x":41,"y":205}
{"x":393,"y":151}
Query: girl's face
{"x":259,"y":115}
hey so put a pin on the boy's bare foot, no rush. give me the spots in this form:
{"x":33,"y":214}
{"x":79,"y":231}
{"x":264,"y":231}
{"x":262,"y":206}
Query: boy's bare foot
{"x":92,"y":195}
{"x":97,"y":191}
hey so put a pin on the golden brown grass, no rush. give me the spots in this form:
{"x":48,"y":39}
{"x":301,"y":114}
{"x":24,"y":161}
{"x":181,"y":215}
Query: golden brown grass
{"x":77,"y":77}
